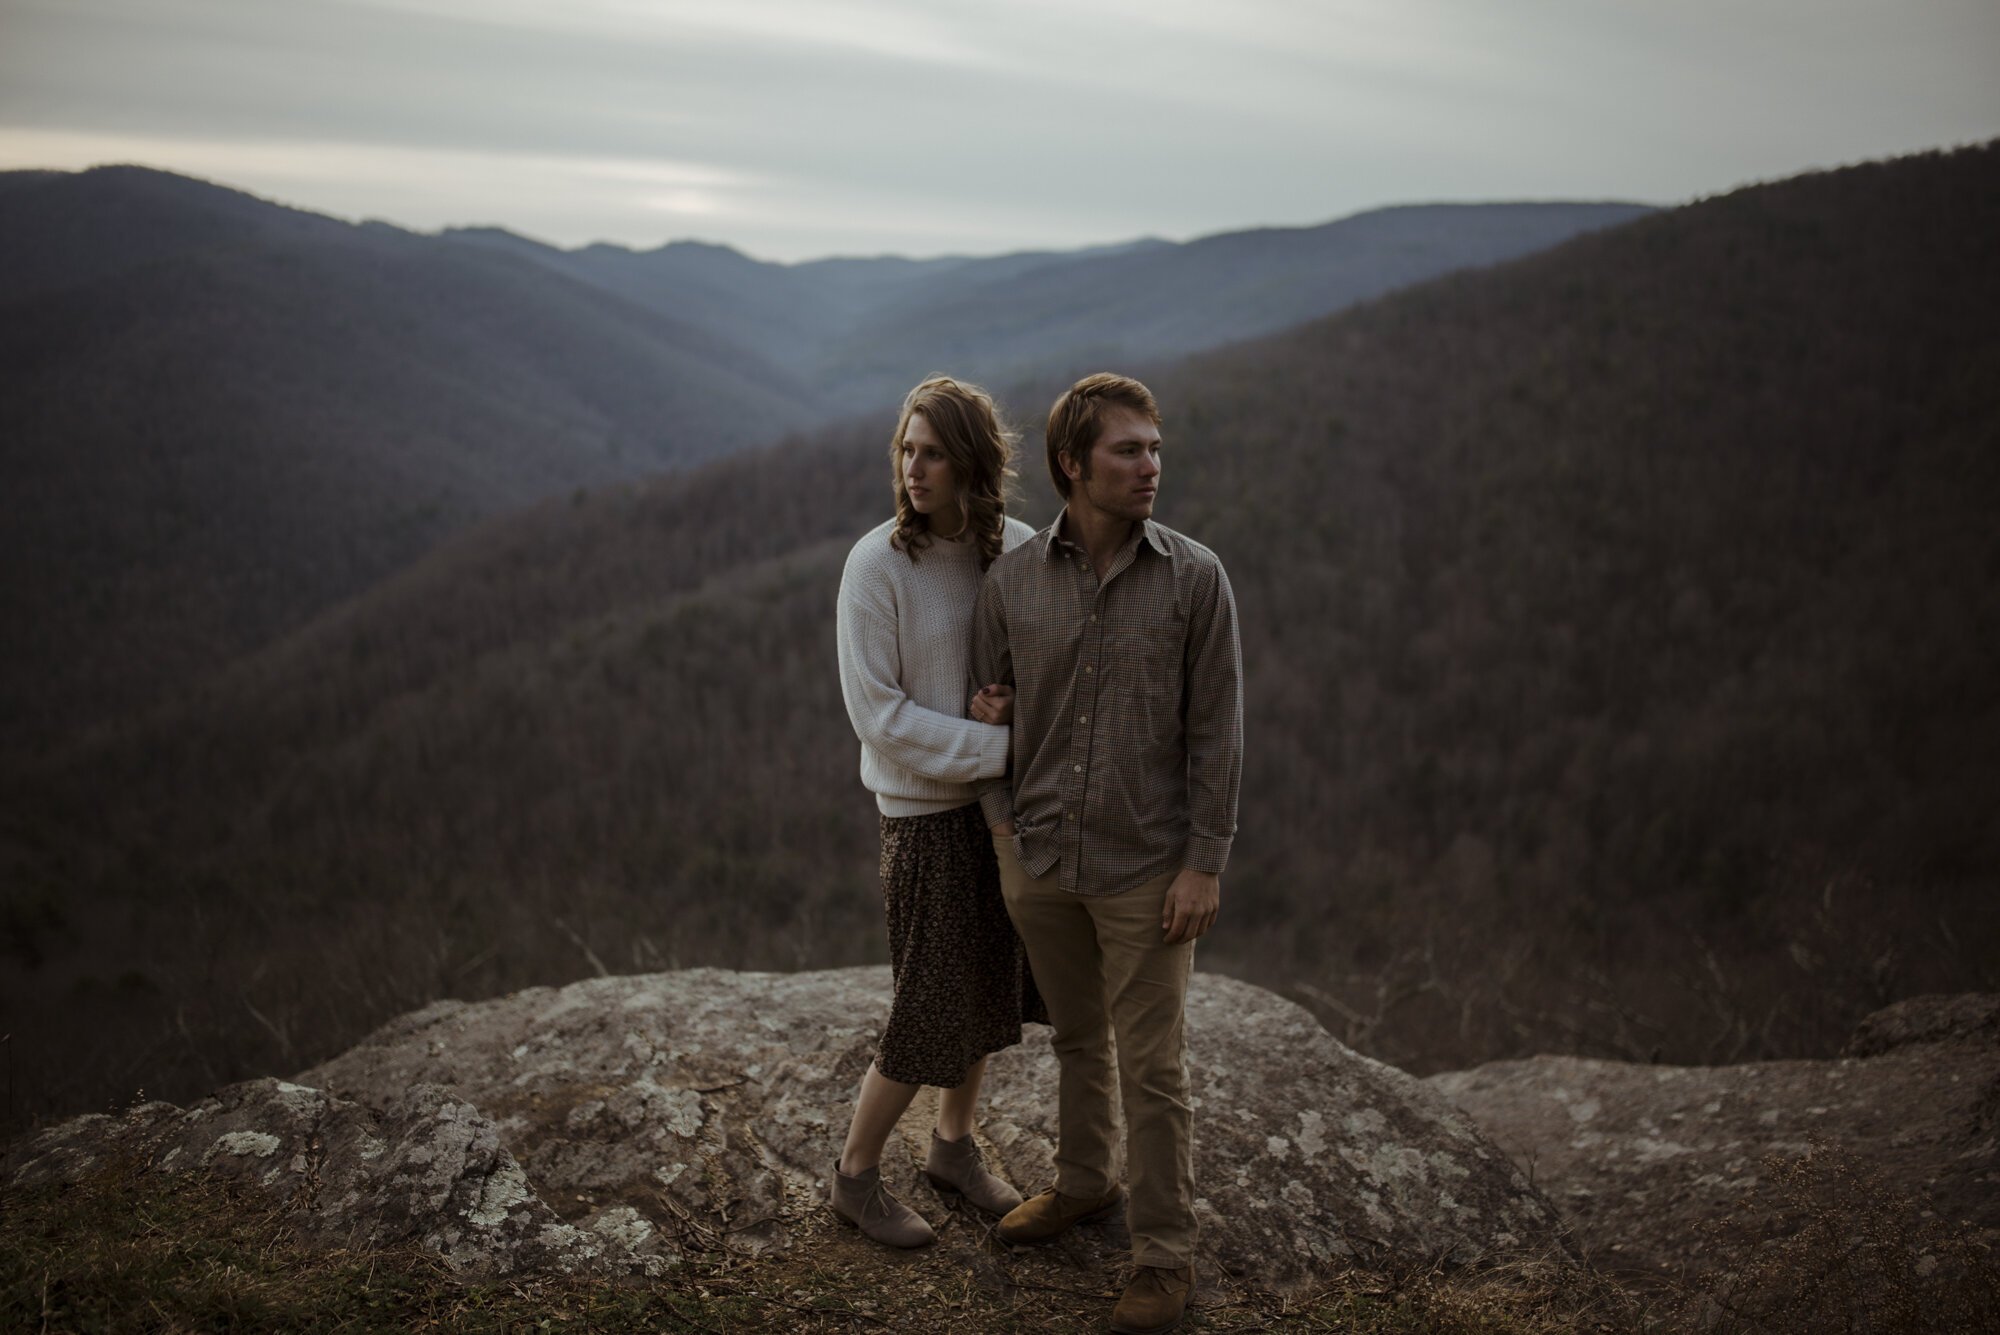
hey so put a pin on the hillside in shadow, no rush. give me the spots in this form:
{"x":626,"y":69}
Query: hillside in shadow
{"x":1621,"y":627}
{"x":217,"y":416}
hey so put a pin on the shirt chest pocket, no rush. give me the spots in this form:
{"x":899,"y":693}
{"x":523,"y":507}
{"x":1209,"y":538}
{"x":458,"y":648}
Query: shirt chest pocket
{"x":1149,"y":655}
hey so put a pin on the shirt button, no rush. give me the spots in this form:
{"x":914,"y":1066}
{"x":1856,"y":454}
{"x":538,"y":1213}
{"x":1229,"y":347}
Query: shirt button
{"x":1079,"y":769}
{"x":1088,"y":668}
{"x":1071,"y":815}
{"x":1093,"y":616}
{"x":1084,"y":719}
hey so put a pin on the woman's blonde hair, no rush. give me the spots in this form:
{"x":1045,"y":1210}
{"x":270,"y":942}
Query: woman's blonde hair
{"x":968,"y":427}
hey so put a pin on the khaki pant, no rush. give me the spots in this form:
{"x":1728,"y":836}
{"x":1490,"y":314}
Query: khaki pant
{"x":1107,"y":975}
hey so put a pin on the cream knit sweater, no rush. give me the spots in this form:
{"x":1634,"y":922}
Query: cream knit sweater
{"x":905,"y":634}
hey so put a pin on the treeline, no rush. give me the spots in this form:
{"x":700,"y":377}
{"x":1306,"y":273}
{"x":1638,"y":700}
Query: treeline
{"x":1621,"y":627}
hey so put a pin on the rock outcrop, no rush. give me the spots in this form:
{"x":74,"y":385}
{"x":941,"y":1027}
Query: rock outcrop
{"x":1638,"y":1154}
{"x":615,"y":1123}
{"x":712,"y":1103}
{"x":429,"y":1167}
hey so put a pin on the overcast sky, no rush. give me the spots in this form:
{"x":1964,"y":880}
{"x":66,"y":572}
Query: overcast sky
{"x":798,"y":128}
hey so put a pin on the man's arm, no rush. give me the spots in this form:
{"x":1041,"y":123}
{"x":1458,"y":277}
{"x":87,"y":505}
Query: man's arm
{"x":1214,"y":724}
{"x":1215,"y":759}
{"x":992,"y":664}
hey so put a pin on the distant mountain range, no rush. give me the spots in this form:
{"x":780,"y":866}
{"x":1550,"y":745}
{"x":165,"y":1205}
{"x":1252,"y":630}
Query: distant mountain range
{"x":218,"y":416}
{"x":861,"y":331}
{"x":1622,"y":626}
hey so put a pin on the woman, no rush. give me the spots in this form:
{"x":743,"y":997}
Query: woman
{"x":962,"y":982}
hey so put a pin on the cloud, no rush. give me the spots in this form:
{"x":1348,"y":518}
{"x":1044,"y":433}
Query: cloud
{"x":944,"y":125}
{"x":559,"y":197}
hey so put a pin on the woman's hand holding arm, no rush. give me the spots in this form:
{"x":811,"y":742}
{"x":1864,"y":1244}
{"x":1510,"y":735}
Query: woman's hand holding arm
{"x":994,"y":704}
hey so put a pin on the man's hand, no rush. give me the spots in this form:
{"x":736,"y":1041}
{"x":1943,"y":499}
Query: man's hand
{"x":1191,"y":905}
{"x":994,"y":704}
{"x":1004,"y":830}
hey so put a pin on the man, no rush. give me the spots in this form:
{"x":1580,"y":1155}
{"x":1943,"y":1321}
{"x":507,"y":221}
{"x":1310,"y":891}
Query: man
{"x":1119,"y":638}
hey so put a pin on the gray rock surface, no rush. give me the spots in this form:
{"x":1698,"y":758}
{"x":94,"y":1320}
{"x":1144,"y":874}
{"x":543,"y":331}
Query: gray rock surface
{"x":1638,"y":1154}
{"x":1971,"y":1017}
{"x":711,"y":1104}
{"x":429,"y":1167}
{"x":614,"y":1124}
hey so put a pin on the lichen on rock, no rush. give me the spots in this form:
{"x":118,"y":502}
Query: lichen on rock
{"x":428,"y":1167}
{"x":711,"y":1103}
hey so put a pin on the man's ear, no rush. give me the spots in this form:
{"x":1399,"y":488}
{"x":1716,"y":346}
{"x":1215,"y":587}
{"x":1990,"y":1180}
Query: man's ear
{"x":1072,"y":467}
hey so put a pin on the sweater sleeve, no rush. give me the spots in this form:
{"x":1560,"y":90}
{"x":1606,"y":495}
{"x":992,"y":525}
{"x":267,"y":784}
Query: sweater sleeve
{"x":901,"y":731}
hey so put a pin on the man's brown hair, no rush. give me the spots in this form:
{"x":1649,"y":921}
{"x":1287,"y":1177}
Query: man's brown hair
{"x":962,"y":416}
{"x":1077,"y":420}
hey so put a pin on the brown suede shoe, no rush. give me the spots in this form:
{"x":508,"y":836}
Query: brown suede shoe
{"x":1154,"y":1301}
{"x":1043,"y":1217}
{"x":955,"y":1164}
{"x":864,"y":1202}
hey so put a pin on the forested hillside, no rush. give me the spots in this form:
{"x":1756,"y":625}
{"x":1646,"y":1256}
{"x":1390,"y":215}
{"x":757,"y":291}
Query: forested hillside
{"x":217,"y":416}
{"x":1621,"y":627}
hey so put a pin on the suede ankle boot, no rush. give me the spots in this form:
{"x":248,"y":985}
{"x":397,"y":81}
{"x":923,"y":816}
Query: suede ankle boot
{"x":1154,"y":1301}
{"x":863,"y":1201}
{"x":1042,"y":1217}
{"x":956,"y":1164}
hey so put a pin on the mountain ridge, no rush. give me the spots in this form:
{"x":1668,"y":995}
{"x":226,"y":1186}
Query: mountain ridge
{"x":223,"y":415}
{"x":859,"y":328}
{"x":231,"y":417}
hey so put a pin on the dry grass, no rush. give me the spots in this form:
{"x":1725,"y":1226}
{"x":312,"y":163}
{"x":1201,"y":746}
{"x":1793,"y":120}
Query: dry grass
{"x":131,"y":1251}
{"x":1831,"y":1246}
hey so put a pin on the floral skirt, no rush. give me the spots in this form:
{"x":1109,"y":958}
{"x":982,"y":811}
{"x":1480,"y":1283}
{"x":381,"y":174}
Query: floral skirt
{"x":963,"y":988}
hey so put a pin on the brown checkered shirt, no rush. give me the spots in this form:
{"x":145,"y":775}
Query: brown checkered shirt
{"x":1128,"y":707}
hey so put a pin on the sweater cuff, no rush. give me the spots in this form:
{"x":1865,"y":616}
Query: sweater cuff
{"x":994,"y":747}
{"x":1205,"y":853}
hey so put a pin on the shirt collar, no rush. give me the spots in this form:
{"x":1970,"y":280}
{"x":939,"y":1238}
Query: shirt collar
{"x":1149,"y":532}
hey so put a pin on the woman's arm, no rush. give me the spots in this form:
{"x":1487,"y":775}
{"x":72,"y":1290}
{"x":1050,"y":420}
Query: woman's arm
{"x":903,"y":732}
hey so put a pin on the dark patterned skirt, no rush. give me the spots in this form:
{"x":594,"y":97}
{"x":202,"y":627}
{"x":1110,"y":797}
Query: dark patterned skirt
{"x":963,"y":988}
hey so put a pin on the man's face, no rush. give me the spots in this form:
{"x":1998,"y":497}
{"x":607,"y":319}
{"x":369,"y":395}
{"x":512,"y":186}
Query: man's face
{"x":1124,"y":468}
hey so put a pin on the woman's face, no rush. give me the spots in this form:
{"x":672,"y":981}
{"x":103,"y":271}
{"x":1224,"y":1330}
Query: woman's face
{"x":927,"y":474}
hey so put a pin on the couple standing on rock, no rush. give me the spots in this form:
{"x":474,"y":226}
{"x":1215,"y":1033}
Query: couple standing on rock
{"x":1053,"y":856}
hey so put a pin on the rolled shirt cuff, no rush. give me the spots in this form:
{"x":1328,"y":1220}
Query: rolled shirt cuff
{"x":1206,"y":853}
{"x":997,"y":804}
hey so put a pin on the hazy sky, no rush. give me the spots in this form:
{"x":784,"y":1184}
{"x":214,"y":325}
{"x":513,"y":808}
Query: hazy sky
{"x":795,"y":128}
